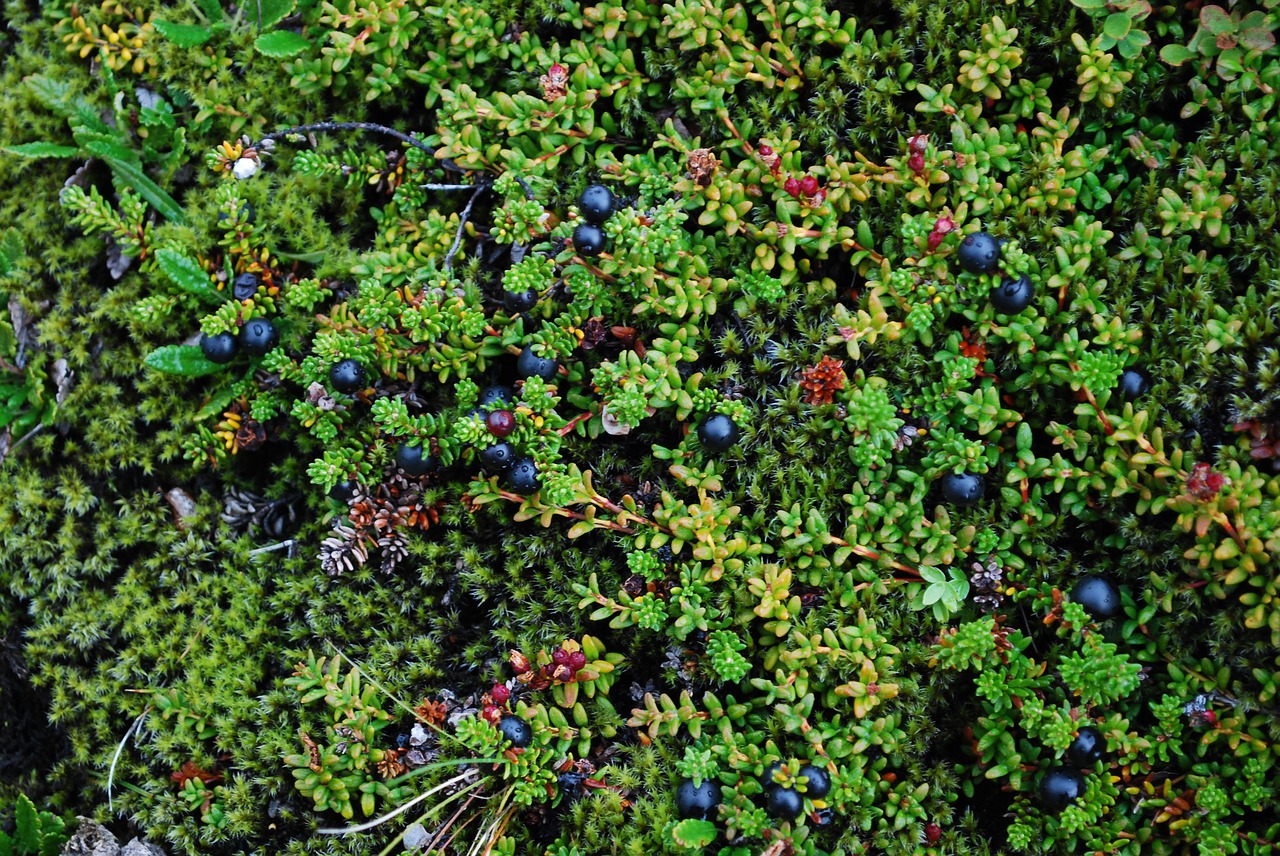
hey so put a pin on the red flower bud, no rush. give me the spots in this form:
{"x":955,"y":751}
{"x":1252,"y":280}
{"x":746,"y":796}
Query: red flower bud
{"x":765,"y":151}
{"x":944,"y":225}
{"x":819,"y":196}
{"x":500,"y":694}
{"x":918,"y":144}
{"x":792,"y":187}
{"x":558,"y":70}
{"x":560,"y":657}
{"x":932,"y":834}
{"x":808,"y":185}
{"x":577,"y":660}
{"x":935,"y":240}
{"x":916,"y":163}
{"x":519,"y":662}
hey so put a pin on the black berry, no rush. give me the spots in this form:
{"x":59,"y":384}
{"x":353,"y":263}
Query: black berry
{"x":588,"y":239}
{"x":1086,"y":750}
{"x":1013,"y":295}
{"x":596,"y":204}
{"x":348,"y":376}
{"x":784,"y":803}
{"x":965,"y":489}
{"x":494,"y":394}
{"x":218,"y":349}
{"x":1133,"y":384}
{"x":523,"y":477}
{"x":1098,"y":596}
{"x":520,"y":301}
{"x":698,"y":803}
{"x":244,"y":286}
{"x":718,"y":433}
{"x":497,"y":457}
{"x":1059,"y":788}
{"x":819,"y":781}
{"x":529,"y":364}
{"x":515,"y":729}
{"x":258,"y":336}
{"x":343,"y":491}
{"x":767,"y":778}
{"x":979,"y":253}
{"x":413,"y":461}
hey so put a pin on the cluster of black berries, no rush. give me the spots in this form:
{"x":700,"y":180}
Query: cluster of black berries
{"x":1063,"y":785}
{"x":596,"y":205}
{"x":257,"y":337}
{"x":786,"y":803}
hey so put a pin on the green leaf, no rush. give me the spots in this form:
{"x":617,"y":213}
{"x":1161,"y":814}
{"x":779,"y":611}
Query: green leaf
{"x":1117,"y":26}
{"x":27,"y":835}
{"x":42,"y":150}
{"x":272,"y":11}
{"x":184,"y":360}
{"x":280,"y":44}
{"x":183,"y":35}
{"x":694,"y":834}
{"x":1176,"y":54}
{"x":1215,"y":19}
{"x":6,"y":845}
{"x":212,"y":9}
{"x":186,"y":273}
{"x":131,"y":175}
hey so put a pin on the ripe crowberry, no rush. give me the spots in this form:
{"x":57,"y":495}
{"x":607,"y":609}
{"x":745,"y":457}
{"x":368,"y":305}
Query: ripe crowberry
{"x":1060,"y":787}
{"x":697,"y":803}
{"x":596,"y":204}
{"x":244,"y":286}
{"x":529,"y":364}
{"x":1132,"y":384}
{"x":498,"y":457}
{"x":1086,"y":750}
{"x":784,"y":803}
{"x":258,"y":336}
{"x":347,"y":376}
{"x":515,"y":729}
{"x":1098,"y":596}
{"x":219,"y":349}
{"x":718,"y":433}
{"x":819,"y":781}
{"x":494,"y":394}
{"x":588,"y":239}
{"x":520,"y":301}
{"x":523,"y":477}
{"x":413,"y":461}
{"x":500,"y":423}
{"x":979,"y":253}
{"x":1013,"y":295}
{"x":965,"y":489}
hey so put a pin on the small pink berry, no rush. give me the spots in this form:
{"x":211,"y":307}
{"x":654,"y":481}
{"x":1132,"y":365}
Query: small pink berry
{"x":944,"y":225}
{"x":792,"y":187}
{"x":932,"y":833}
{"x":808,"y":185}
{"x":500,"y":694}
{"x":491,"y":714}
{"x":918,"y":143}
{"x":818,"y":197}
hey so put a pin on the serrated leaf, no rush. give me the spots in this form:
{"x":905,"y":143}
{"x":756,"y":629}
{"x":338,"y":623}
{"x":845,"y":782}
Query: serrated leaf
{"x":272,"y":12}
{"x":694,"y":833}
{"x":27,"y":820}
{"x":212,"y":9}
{"x":183,"y":35}
{"x":42,"y":150}
{"x":128,"y":173}
{"x":183,"y":360}
{"x":281,"y":44}
{"x":186,"y":273}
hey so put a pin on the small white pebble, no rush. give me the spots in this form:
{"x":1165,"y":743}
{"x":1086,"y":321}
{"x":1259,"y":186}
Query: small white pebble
{"x":244,"y":168}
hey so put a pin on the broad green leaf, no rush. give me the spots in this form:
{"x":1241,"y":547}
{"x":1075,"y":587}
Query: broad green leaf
{"x":694,"y":833}
{"x":184,"y":360}
{"x":186,"y":273}
{"x":272,"y":11}
{"x":1176,"y":54}
{"x":183,"y":35}
{"x":1215,"y":19}
{"x":27,"y":834}
{"x":281,"y":44}
{"x":212,"y":9}
{"x":42,"y":150}
{"x":1117,"y":26}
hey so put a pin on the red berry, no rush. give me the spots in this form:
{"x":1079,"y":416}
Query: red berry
{"x":501,"y":422}
{"x":932,"y":833}
{"x":918,"y":143}
{"x":764,"y":151}
{"x":792,"y":187}
{"x":500,"y":694}
{"x":577,"y":660}
{"x":808,"y":185}
{"x":943,"y":225}
{"x":491,"y":714}
{"x":560,"y":657}
{"x":916,"y":162}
